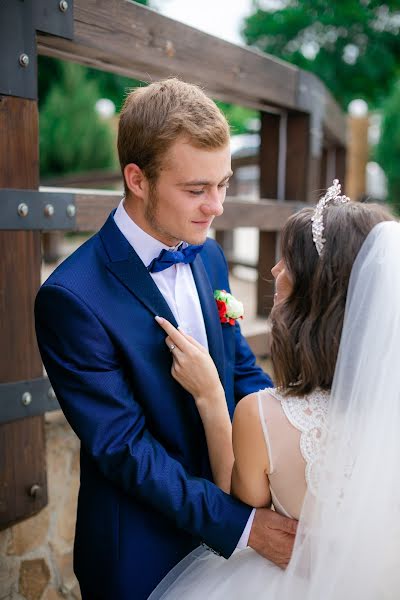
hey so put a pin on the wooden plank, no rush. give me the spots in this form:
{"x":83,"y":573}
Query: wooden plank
{"x":314,"y":98}
{"x":93,"y":209}
{"x":340,"y":164}
{"x":22,"y":443}
{"x":269,"y":166}
{"x":323,"y":171}
{"x":133,"y":40}
{"x":265,"y":282}
{"x":297,"y":157}
{"x":269,"y":155}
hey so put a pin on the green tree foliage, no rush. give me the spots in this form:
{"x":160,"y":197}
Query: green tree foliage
{"x":72,"y":135}
{"x":239,"y":117}
{"x":353,"y":46}
{"x":388,"y":150}
{"x":109,"y":85}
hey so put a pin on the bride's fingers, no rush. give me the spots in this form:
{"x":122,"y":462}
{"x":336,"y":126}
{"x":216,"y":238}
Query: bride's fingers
{"x":177,"y":338}
{"x":173,"y":348}
{"x":192,"y":340}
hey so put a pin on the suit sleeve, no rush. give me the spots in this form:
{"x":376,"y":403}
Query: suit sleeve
{"x":248,"y":376}
{"x":91,"y":385}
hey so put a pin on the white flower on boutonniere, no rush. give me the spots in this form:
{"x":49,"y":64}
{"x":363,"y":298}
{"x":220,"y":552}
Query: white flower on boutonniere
{"x":229,"y":308}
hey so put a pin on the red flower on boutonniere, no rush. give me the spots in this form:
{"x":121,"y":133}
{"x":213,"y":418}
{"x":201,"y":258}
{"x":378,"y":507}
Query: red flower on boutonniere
{"x":229,"y":309}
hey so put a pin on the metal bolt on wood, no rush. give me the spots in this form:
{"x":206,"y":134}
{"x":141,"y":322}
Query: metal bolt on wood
{"x":71,"y":210}
{"x":24,"y":60}
{"x":23,"y":209}
{"x":26,"y":398}
{"x":35,"y":490}
{"x":49,"y":210}
{"x":63,"y":6}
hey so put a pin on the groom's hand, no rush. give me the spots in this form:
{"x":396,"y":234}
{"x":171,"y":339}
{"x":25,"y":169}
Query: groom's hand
{"x":273,"y":536}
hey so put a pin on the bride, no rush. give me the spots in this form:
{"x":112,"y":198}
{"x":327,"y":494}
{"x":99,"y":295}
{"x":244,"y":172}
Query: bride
{"x":323,"y":446}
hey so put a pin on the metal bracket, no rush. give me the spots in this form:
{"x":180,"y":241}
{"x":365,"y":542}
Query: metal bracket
{"x":22,"y":399}
{"x":37,"y":210}
{"x":19,"y":22}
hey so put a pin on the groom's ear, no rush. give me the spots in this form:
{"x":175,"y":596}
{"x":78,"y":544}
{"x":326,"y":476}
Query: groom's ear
{"x":136,"y":180}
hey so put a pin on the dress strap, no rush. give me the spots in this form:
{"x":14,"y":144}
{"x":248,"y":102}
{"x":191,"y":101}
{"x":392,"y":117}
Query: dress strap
{"x":265,"y":431}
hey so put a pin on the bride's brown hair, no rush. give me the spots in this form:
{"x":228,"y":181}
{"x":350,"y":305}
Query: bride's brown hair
{"x":307,"y":325}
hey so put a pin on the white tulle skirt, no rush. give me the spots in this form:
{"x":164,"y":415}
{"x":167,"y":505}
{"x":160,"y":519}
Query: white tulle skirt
{"x":202,"y":575}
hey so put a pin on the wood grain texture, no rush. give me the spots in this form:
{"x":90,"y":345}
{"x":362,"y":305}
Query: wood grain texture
{"x":22,"y":443}
{"x":133,"y":40}
{"x":269,"y":166}
{"x":297,"y":157}
{"x":266,"y":215}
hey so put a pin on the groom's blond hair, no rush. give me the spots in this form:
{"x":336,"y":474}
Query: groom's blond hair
{"x":154,"y":117}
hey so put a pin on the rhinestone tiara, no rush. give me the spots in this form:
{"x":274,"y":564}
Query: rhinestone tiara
{"x":332,"y":196}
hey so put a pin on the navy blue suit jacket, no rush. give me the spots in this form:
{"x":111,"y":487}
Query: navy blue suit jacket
{"x":146,"y":497}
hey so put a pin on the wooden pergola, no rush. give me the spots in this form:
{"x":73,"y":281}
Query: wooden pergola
{"x":303,"y":145}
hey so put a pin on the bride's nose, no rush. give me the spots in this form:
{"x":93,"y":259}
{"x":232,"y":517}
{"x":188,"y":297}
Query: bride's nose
{"x":276,"y":269}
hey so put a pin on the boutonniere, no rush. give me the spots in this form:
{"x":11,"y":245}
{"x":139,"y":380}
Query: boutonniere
{"x":229,"y":309}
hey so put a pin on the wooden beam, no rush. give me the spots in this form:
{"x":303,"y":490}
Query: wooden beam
{"x":22,"y":443}
{"x":269,"y":173}
{"x":297,"y":157}
{"x":93,"y":208}
{"x":135,"y":41}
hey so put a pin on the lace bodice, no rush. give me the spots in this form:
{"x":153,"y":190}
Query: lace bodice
{"x":293,"y":429}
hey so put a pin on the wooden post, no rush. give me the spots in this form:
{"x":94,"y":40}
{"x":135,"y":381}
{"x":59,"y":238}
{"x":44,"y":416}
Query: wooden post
{"x":22,"y":443}
{"x":340,"y":162}
{"x":357,"y":157}
{"x":298,"y":176}
{"x":269,"y":164}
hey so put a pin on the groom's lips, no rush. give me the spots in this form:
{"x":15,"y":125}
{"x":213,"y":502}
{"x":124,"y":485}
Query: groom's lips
{"x":206,"y":222}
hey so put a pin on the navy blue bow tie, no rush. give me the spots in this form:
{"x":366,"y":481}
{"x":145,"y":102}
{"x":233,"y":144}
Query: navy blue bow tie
{"x":167,"y":258}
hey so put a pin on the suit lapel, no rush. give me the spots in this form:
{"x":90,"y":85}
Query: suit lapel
{"x":126,"y":265}
{"x":210,"y":315}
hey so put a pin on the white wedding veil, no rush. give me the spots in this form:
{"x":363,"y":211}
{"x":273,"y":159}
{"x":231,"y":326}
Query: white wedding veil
{"x":348,"y":541}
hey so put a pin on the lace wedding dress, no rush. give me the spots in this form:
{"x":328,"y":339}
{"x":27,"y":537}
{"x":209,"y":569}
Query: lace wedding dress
{"x":293,"y":429}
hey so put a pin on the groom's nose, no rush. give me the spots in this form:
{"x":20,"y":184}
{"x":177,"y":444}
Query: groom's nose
{"x":213,"y":205}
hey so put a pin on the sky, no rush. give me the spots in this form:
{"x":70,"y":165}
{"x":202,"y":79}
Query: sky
{"x":221,"y":18}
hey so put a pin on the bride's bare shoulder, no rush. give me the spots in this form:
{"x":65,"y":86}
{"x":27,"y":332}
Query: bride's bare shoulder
{"x":249,"y":404}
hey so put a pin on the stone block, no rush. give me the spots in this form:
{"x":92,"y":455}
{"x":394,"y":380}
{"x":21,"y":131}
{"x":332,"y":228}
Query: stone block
{"x":8,"y":576}
{"x":29,"y":534}
{"x":52,"y":594}
{"x":66,"y":573}
{"x":34,"y":576}
{"x":67,"y":513}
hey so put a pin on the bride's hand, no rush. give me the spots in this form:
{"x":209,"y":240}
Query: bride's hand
{"x":192,"y":365}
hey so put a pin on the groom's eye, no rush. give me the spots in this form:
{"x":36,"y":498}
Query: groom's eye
{"x":196,"y":192}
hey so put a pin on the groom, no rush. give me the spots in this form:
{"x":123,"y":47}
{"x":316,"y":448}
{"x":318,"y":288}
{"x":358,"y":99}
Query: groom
{"x":146,"y":497}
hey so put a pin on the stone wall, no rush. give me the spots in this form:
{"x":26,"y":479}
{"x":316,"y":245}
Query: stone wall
{"x":36,"y":554}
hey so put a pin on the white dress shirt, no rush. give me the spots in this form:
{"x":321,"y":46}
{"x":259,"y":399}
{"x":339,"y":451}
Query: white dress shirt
{"x":178,"y":288}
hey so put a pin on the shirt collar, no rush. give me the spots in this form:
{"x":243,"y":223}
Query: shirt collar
{"x":145,"y":246}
